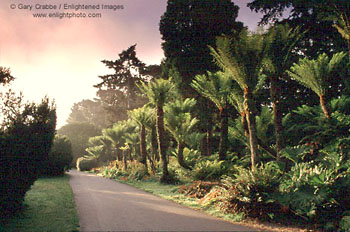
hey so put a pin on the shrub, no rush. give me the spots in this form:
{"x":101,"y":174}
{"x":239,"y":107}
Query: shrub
{"x":206,"y":169}
{"x":253,"y":193}
{"x":137,"y":170}
{"x":60,"y":157}
{"x":317,"y":193}
{"x":24,"y":146}
{"x":86,"y":164}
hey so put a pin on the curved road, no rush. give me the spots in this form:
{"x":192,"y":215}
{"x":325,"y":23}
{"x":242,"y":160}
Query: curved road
{"x":106,"y":205}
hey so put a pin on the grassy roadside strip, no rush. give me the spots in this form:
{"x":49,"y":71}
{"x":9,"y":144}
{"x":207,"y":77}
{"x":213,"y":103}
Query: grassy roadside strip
{"x":48,"y":206}
{"x":170,"y":192}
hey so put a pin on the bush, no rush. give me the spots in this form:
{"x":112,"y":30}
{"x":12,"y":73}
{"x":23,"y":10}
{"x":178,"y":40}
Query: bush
{"x":24,"y":146}
{"x":206,"y":169}
{"x":60,"y":157}
{"x":253,"y":193}
{"x":317,"y":194}
{"x":137,"y":170}
{"x":86,"y":164}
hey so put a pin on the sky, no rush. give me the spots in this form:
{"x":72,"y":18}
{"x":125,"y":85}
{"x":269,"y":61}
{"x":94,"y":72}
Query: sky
{"x":61,"y":58}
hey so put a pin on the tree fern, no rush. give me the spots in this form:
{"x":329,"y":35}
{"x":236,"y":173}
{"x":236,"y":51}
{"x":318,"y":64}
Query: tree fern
{"x":314,"y":74}
{"x":217,"y":87}
{"x":180,"y":123}
{"x":242,"y":59}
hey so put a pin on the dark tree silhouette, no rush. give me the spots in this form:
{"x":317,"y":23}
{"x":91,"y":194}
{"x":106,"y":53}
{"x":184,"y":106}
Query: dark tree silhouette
{"x":128,"y":71}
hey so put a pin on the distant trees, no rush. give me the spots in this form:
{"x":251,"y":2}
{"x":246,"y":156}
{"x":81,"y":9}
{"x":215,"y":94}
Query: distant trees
{"x":60,"y":157}
{"x":79,"y":134}
{"x":128,"y":71}
{"x":89,"y":111}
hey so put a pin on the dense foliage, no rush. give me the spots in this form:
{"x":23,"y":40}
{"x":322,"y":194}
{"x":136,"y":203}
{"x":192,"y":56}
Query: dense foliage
{"x":60,"y":157}
{"x":25,"y":141}
{"x":266,"y":132}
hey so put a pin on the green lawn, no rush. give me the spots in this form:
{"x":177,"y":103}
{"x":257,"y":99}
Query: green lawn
{"x":49,"y":206}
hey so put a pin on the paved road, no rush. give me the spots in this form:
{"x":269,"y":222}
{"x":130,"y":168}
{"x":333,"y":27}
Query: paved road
{"x":106,"y":205}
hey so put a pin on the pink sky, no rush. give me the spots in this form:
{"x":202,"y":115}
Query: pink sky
{"x":61,"y":58}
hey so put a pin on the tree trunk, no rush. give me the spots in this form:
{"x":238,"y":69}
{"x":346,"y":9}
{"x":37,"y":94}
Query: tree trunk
{"x":324,"y":107}
{"x":223,"y":133}
{"x":244,"y":123}
{"x":143,"y":148}
{"x":180,"y":155}
{"x":124,"y":153}
{"x":153,"y":167}
{"x":119,"y":155}
{"x":209,"y":128}
{"x":249,"y":106}
{"x":154,"y":144}
{"x":275,"y":92}
{"x":161,"y":143}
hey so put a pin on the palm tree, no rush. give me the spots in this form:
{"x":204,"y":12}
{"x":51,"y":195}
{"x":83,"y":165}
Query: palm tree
{"x":278,"y":48}
{"x":115,"y":135}
{"x":158,"y":92}
{"x":242,"y":59}
{"x":179,"y":122}
{"x":142,"y":116}
{"x":217,"y":88}
{"x":105,"y":143}
{"x":313,"y":74}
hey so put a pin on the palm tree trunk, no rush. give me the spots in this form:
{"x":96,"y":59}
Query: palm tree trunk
{"x":223,"y":133}
{"x":209,"y":128}
{"x":206,"y":128}
{"x":124,"y":153}
{"x":180,"y":155}
{"x":249,"y":106}
{"x":275,"y":92}
{"x":244,"y":123}
{"x":154,"y":144}
{"x":161,"y":143}
{"x":143,"y":150}
{"x":153,"y":167}
{"x":324,"y":106}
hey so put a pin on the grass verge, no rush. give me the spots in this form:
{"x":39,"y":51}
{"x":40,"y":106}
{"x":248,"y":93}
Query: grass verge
{"x":48,"y":206}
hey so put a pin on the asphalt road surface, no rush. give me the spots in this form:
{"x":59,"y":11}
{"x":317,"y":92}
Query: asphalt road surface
{"x":106,"y":205}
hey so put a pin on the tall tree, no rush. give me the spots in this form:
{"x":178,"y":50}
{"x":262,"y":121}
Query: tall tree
{"x":317,"y":17}
{"x":217,"y":87}
{"x":242,"y":59}
{"x":128,"y":71}
{"x":142,"y":116}
{"x":314,"y":74}
{"x":278,"y":49}
{"x":187,"y":28}
{"x":159,"y":92}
